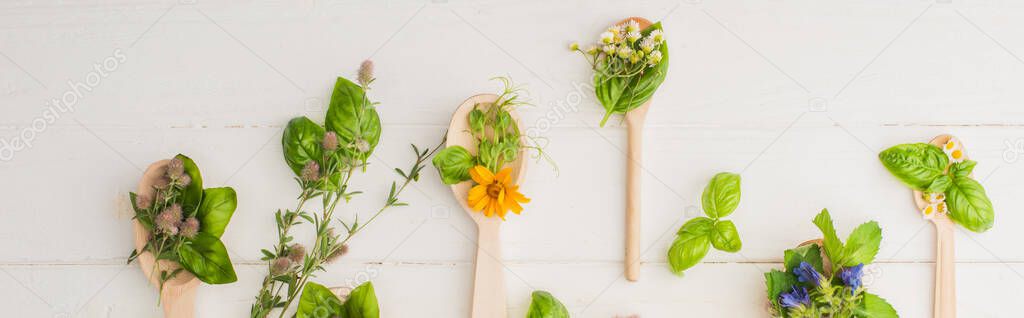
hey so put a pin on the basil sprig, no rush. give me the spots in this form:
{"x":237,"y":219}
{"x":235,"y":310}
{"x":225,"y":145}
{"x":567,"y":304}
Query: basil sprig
{"x":923,"y":167}
{"x":620,"y":94}
{"x":696,"y":236}
{"x":318,"y":301}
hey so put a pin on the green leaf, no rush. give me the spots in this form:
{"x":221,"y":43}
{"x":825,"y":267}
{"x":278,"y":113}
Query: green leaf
{"x":477,"y":121}
{"x":453,"y":164}
{"x":940,"y":184}
{"x":619,"y":95}
{"x":916,"y":165}
{"x":810,"y":253}
{"x":353,"y":117}
{"x":544,"y":305}
{"x":833,"y":246}
{"x":722,"y":195}
{"x":778,"y":282}
{"x":301,"y":143}
{"x":207,"y":258}
{"x":691,"y":244}
{"x":962,"y":170}
{"x":318,"y":301}
{"x":192,"y":195}
{"x":969,"y":206}
{"x":873,"y":306}
{"x":362,"y":303}
{"x":724,"y":237}
{"x":216,"y":210}
{"x":862,"y":244}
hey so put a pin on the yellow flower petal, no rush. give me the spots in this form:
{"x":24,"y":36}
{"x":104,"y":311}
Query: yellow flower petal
{"x":481,"y":175}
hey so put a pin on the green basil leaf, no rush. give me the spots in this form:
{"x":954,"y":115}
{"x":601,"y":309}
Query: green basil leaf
{"x":318,"y":301}
{"x":216,"y":210}
{"x":477,"y":121}
{"x":362,"y":303}
{"x":301,"y":143}
{"x":207,"y":258}
{"x":961,"y":170}
{"x":722,"y":195}
{"x":969,"y":206}
{"x":872,"y":306}
{"x":544,"y":305}
{"x":940,"y":184}
{"x":862,"y":244}
{"x":833,"y":246}
{"x":725,"y":238}
{"x":453,"y":164}
{"x":691,"y":244}
{"x":619,"y":95}
{"x":810,"y":253}
{"x":353,"y":117}
{"x":192,"y":195}
{"x":916,"y":165}
{"x":778,"y":282}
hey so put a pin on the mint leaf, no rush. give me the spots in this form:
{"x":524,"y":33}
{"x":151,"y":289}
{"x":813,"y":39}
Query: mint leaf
{"x":833,"y":246}
{"x":810,"y":253}
{"x":873,"y":306}
{"x":862,"y":244}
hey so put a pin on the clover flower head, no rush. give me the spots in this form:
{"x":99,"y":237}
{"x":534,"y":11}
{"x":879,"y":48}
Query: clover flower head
{"x":143,"y":201}
{"x":311,"y":171}
{"x":330,"y":142}
{"x":607,"y":37}
{"x":658,"y":36}
{"x":365,"y":73}
{"x":162,"y":183}
{"x":280,"y":265}
{"x":175,"y":168}
{"x":795,"y":298}
{"x":806,"y":273}
{"x":632,"y":26}
{"x":633,"y":36}
{"x":184,"y":180}
{"x":167,"y":221}
{"x":654,"y":58}
{"x":341,"y":251}
{"x":851,"y":276}
{"x":296,"y":253}
{"x":189,"y":228}
{"x":647,"y":45}
{"x":175,"y":210}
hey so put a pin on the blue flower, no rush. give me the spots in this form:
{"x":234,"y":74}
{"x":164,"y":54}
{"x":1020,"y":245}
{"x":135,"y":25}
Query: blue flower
{"x":805,"y":273}
{"x":851,"y":276}
{"x":795,"y":298}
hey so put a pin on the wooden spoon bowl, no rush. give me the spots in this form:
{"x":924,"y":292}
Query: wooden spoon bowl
{"x":489,"y":294}
{"x":178,"y":294}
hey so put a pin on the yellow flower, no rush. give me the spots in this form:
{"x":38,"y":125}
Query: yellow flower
{"x":495,"y":194}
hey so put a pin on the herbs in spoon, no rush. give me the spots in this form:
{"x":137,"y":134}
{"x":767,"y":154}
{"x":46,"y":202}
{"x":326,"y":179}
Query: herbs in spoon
{"x":324,"y":160}
{"x":629,"y":65}
{"x":185,"y":223}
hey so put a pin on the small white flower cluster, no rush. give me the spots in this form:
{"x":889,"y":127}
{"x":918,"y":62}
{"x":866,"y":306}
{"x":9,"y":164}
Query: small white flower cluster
{"x":625,"y":45}
{"x":937,"y":201}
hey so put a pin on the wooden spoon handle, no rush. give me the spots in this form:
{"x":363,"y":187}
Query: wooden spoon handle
{"x":489,"y":279}
{"x":634,"y":173}
{"x":179,"y":301}
{"x":945,"y":271}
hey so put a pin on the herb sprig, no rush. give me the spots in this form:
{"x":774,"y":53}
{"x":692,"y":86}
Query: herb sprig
{"x":698,"y":235}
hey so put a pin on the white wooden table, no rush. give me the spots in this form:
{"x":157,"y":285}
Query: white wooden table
{"x":798,"y":96}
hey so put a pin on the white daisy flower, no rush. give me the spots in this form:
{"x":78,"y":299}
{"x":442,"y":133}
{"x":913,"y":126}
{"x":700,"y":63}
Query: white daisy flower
{"x":935,"y":197}
{"x":929,"y":211}
{"x":607,"y":37}
{"x":954,"y":149}
{"x":647,"y":45}
{"x":625,"y":52}
{"x":632,"y":26}
{"x":609,"y":49}
{"x":654,"y":58}
{"x":658,"y":36}
{"x":633,"y":36}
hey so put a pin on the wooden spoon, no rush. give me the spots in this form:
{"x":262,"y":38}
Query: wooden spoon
{"x":945,"y":255}
{"x":179,"y":294}
{"x":634,"y":155}
{"x":489,"y":279}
